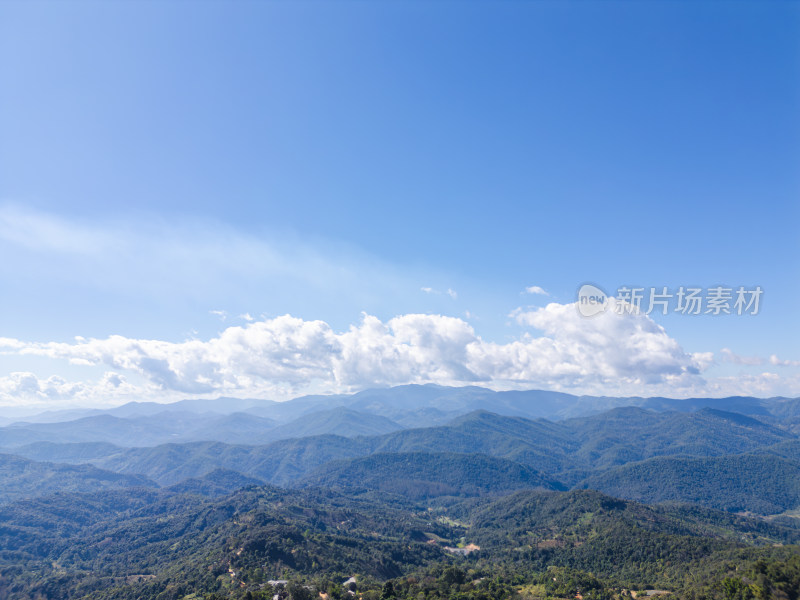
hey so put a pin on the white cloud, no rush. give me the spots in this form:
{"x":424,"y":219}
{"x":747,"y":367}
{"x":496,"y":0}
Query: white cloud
{"x":535,"y":289}
{"x":450,"y":292}
{"x":28,"y":389}
{"x":774,"y":360}
{"x":609,"y":351}
{"x":223,"y":315}
{"x":763,"y":385}
{"x":737,"y":359}
{"x":609,"y":354}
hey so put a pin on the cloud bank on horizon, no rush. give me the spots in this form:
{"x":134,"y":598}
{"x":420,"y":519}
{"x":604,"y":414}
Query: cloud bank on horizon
{"x":549,"y":347}
{"x":286,"y":356}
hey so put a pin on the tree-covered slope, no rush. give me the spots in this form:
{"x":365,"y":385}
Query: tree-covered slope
{"x":71,"y":452}
{"x":69,"y":545}
{"x":219,"y":482}
{"x":577,"y":452}
{"x":762,"y":484}
{"x":25,"y":478}
{"x":279,"y":463}
{"x":634,"y":544}
{"x":157,"y":545}
{"x":336,"y":421}
{"x":421,"y":475}
{"x":632,"y":434}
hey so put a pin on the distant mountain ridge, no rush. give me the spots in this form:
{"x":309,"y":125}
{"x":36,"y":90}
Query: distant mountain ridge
{"x":608,"y":451}
{"x":396,"y":403}
{"x":180,"y":427}
{"x":370,"y":412}
{"x":418,"y":441}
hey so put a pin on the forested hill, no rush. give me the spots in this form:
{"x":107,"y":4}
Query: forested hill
{"x":762,"y":484}
{"x":164,"y":546}
{"x":420,"y":475}
{"x":711,"y":454}
{"x":476,"y":507}
{"x":24,"y":478}
{"x":602,"y":441}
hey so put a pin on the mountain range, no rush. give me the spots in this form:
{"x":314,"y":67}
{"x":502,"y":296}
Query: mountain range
{"x":428,"y":489}
{"x":650,"y":455}
{"x":223,"y":419}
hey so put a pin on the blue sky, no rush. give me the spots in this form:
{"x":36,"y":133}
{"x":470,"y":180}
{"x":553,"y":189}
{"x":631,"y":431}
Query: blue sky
{"x":167,"y":167}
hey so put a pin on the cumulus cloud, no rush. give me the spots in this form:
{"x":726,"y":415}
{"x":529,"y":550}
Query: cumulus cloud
{"x":610,"y":354}
{"x":535,"y":289}
{"x":28,"y":389}
{"x":607,"y":350}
